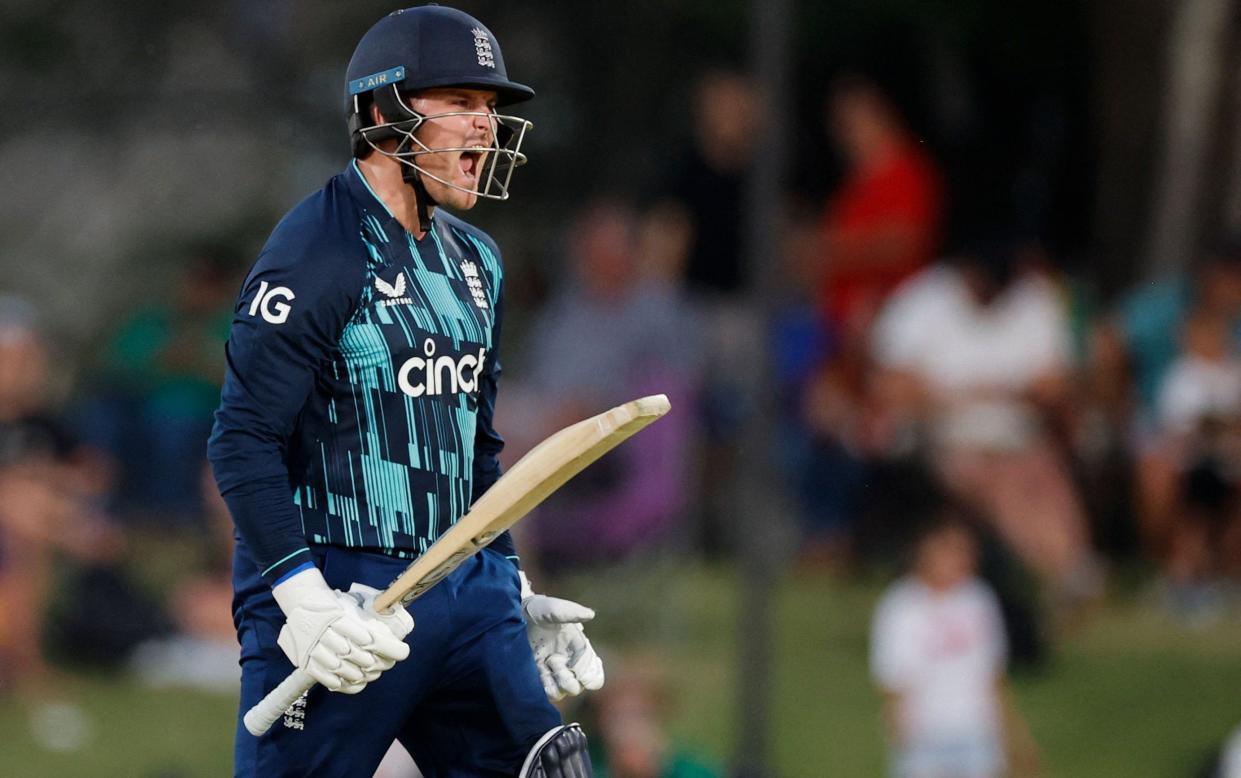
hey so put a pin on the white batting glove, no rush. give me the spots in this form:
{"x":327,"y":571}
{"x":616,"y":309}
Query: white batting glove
{"x":566,"y":661}
{"x":328,"y":635}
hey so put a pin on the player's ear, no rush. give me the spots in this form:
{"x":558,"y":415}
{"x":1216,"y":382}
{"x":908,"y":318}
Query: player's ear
{"x":377,"y":118}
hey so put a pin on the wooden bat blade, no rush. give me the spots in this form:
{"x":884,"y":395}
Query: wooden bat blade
{"x":543,"y":470}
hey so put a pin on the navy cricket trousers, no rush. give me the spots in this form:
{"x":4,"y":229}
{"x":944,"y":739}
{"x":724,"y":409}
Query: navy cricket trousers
{"x":466,"y":702}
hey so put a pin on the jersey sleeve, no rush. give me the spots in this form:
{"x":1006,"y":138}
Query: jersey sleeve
{"x":289,"y":316}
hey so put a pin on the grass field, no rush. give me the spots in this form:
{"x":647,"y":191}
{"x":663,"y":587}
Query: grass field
{"x":1128,"y":696}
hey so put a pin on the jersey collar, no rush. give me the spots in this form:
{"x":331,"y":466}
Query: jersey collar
{"x":361,"y":190}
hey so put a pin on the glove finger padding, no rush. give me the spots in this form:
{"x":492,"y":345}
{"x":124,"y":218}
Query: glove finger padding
{"x":334,"y":643}
{"x":353,"y":628}
{"x":564,"y":677}
{"x":382,"y":664}
{"x":350,"y":673}
{"x":573,"y":643}
{"x":361,"y":658}
{"x":549,"y":684}
{"x":546,"y":611}
{"x":325,"y":667}
{"x":590,"y":671}
{"x":329,"y":681}
{"x":388,"y":646}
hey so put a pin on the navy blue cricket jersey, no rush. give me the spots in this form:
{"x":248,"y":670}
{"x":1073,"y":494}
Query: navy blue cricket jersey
{"x":361,"y":383}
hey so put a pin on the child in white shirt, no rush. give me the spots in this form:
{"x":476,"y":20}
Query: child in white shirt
{"x":938,"y":653}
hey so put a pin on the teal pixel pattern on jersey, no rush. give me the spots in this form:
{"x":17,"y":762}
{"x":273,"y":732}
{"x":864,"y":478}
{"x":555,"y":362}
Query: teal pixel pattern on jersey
{"x":403,"y":476}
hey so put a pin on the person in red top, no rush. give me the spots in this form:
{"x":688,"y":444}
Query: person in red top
{"x":883,"y":223}
{"x":880,"y":226}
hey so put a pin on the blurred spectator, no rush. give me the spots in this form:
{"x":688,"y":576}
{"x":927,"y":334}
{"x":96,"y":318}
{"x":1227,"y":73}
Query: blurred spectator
{"x":702,"y":209}
{"x":1149,"y":319}
{"x":938,"y":654}
{"x":1097,"y":431}
{"x":707,"y":184}
{"x":973,"y":359}
{"x":616,"y":330}
{"x":1199,"y":408}
{"x":632,"y":740}
{"x":1144,"y":337}
{"x":825,"y":473}
{"x":1203,"y":385}
{"x":162,"y":372}
{"x":50,"y":491}
{"x":882,"y":224}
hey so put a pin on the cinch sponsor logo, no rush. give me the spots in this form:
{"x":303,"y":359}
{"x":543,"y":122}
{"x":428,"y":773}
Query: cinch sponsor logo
{"x":432,"y":375}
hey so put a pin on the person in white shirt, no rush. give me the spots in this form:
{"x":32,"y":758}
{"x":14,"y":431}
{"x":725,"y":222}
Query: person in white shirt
{"x":974,"y":353}
{"x":1204,"y":383}
{"x":938,"y":655}
{"x":1199,"y":406}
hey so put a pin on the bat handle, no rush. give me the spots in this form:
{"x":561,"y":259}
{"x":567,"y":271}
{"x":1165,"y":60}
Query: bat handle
{"x":260,"y":718}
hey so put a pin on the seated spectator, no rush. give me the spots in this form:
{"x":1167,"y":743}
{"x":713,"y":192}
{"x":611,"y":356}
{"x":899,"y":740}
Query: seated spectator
{"x":50,"y":490}
{"x":973,"y":359}
{"x":1149,"y":319}
{"x":610,"y":334}
{"x":938,"y":655}
{"x":1200,"y":421}
{"x":1144,"y":334}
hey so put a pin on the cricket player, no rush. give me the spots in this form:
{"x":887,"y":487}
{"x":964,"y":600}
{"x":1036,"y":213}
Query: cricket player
{"x":355,"y":426}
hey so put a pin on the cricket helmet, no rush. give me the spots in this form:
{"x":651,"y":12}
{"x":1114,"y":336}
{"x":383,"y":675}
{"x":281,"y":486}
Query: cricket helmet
{"x":422,"y":48}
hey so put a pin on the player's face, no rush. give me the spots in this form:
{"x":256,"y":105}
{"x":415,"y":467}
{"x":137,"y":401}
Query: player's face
{"x":457,"y":119}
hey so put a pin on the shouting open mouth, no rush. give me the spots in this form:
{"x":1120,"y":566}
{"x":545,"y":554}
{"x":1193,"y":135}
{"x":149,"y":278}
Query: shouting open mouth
{"x":471,"y":163}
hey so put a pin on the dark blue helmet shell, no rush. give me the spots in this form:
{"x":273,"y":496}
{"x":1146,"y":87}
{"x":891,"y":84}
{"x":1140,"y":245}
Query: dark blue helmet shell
{"x":430,"y":46}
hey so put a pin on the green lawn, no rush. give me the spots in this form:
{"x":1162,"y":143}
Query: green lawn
{"x":135,"y":732}
{"x":1128,"y":696}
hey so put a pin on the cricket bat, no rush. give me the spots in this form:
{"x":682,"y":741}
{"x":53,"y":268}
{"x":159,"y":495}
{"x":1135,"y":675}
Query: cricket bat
{"x":543,"y":470}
